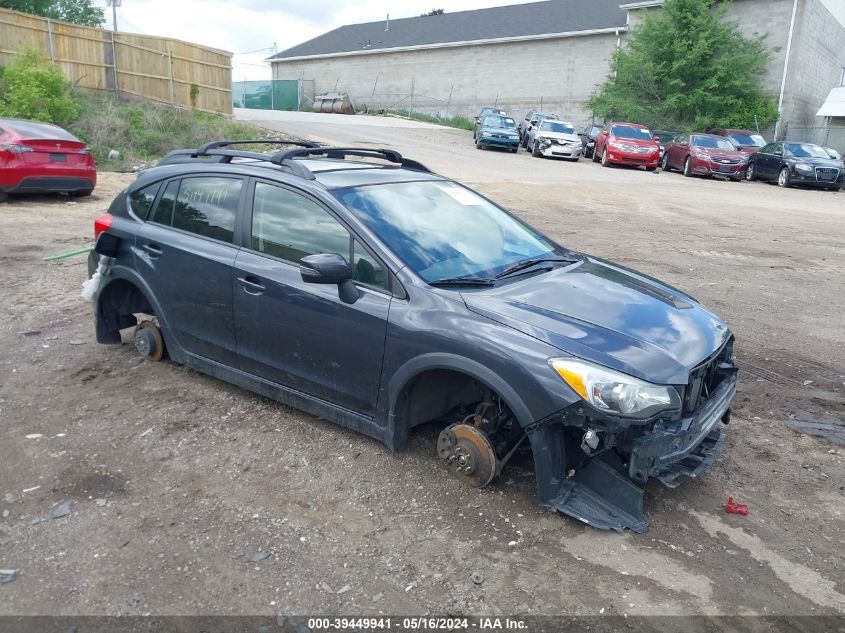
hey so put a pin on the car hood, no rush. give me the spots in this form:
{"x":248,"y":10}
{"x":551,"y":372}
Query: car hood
{"x":715,"y":153}
{"x":637,"y":142}
{"x":817,"y":162}
{"x":563,"y":136}
{"x":612,"y":316}
{"x":498,"y":130}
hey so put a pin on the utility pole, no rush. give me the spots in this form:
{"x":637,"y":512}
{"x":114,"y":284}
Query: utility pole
{"x":114,"y":4}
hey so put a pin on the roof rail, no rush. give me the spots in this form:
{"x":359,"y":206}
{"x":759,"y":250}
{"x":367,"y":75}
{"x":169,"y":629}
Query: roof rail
{"x":287,"y":157}
{"x":182,"y":156}
{"x":218,"y":144}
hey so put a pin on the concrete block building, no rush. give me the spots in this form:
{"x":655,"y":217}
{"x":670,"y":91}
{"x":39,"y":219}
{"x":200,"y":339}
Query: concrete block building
{"x":553,"y":54}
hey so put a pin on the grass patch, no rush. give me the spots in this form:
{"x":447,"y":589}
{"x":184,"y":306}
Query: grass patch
{"x":459,"y":122}
{"x":144,"y":131}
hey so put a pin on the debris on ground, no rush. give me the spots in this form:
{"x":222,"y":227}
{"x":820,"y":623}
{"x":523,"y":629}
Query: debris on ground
{"x":735,"y":508}
{"x":258,"y":557}
{"x":477,"y":577}
{"x":8,"y":575}
{"x":344,"y":589}
{"x":34,"y":436}
{"x":61,"y":510}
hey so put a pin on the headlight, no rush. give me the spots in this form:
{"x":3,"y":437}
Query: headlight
{"x":486,"y":134}
{"x":804,"y":167}
{"x":615,"y":392}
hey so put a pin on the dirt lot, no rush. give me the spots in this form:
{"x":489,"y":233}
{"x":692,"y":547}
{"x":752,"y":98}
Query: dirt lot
{"x":177,"y":480}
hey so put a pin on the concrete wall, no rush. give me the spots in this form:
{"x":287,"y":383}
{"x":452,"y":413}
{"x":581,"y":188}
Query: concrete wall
{"x":816,"y":62}
{"x":561,"y":73}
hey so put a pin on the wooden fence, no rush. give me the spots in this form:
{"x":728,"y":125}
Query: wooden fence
{"x":156,"y":68}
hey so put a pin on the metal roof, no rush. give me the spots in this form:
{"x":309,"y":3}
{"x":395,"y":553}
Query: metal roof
{"x":834,"y":105}
{"x":520,"y":21}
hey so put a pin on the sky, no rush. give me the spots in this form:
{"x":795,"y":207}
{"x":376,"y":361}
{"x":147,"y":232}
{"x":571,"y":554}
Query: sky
{"x":250,"y":28}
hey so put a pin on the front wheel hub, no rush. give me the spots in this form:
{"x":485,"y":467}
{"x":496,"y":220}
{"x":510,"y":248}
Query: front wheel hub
{"x":468,"y":454}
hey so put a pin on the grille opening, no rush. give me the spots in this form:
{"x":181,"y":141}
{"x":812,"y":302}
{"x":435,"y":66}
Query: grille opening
{"x":706,"y":378}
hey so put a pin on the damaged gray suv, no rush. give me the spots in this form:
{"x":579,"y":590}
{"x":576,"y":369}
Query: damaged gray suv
{"x":381,"y":296}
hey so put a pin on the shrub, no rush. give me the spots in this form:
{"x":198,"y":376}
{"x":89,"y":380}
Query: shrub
{"x":143,"y":131}
{"x":35,"y":89}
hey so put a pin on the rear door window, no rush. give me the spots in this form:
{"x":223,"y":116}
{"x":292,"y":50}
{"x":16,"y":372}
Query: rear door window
{"x":208,"y":206}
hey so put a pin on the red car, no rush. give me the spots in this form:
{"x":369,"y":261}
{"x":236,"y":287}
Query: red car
{"x":705,"y":155}
{"x":746,"y":141}
{"x":626,"y":144}
{"x":42,"y":158}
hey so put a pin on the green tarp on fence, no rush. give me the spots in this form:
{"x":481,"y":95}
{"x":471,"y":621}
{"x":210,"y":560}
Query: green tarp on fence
{"x":276,"y":94}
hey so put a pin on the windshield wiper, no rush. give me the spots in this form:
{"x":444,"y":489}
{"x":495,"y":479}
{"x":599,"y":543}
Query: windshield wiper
{"x":462,"y":281}
{"x":528,"y":263}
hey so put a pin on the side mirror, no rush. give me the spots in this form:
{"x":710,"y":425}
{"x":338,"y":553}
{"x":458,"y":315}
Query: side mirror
{"x":330,"y":268}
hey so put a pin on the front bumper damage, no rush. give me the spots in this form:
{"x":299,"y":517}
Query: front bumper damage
{"x":605,"y":489}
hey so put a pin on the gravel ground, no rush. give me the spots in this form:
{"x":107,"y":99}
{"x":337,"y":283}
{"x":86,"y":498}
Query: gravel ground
{"x":190,"y":496}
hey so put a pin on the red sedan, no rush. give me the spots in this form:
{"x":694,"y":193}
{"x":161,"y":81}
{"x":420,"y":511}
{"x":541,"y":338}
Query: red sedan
{"x":43,"y":158}
{"x":705,"y":155}
{"x":626,"y":144}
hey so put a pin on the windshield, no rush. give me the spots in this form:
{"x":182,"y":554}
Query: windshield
{"x":630,"y":131}
{"x":713,"y":142}
{"x":665,"y":137}
{"x":441,"y":230}
{"x":555,"y":126}
{"x":747,"y":140}
{"x":805,"y":150}
{"x":499,"y":121}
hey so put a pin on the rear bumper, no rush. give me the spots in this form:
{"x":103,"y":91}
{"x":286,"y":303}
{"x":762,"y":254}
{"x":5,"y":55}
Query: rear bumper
{"x":42,"y":184}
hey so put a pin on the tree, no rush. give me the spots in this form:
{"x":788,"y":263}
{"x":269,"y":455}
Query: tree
{"x":687,"y":68}
{"x":433,"y":12}
{"x":33,"y":88}
{"x":77,"y":11}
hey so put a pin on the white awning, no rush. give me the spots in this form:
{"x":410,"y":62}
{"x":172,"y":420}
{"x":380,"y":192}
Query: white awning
{"x":834,"y":105}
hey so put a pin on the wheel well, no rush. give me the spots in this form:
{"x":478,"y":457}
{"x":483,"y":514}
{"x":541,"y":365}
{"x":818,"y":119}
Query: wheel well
{"x":433,"y":393}
{"x":117,"y":305}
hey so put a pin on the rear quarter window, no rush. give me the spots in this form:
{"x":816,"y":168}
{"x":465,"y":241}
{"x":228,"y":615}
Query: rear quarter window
{"x":142,"y":199}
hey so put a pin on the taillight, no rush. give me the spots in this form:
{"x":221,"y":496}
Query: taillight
{"x":85,"y":151}
{"x":16,"y":149}
{"x":102,"y":223}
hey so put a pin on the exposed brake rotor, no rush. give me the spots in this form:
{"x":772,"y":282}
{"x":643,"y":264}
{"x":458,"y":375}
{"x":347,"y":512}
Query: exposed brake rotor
{"x":468,"y":454}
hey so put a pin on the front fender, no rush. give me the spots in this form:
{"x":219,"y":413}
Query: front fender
{"x":416,"y":366}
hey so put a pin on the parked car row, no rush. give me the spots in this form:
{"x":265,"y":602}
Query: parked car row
{"x":729,"y":153}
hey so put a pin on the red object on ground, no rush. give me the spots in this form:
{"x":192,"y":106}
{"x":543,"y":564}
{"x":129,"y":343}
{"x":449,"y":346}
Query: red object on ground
{"x":735,"y":508}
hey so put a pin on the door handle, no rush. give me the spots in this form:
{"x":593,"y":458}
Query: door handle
{"x":252,"y":285}
{"x":154,"y":250}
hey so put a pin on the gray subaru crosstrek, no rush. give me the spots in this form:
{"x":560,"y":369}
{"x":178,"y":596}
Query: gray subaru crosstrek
{"x":382,"y":296}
